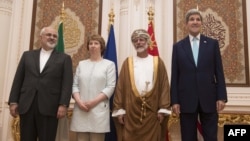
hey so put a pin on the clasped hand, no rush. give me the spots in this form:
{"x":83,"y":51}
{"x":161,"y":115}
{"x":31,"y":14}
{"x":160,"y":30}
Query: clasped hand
{"x":85,"y":106}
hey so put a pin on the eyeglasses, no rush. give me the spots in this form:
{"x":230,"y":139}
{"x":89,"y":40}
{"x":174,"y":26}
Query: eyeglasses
{"x":49,"y":35}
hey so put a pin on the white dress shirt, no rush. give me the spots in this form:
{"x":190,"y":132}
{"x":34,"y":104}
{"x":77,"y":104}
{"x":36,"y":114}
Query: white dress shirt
{"x":44,"y":57}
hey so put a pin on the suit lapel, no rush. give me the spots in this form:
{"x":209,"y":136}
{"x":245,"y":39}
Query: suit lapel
{"x":188,"y":49}
{"x":37,"y":59}
{"x":50,"y":60}
{"x":202,"y":48}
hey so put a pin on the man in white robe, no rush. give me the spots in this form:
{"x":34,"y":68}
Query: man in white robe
{"x":141,"y":98}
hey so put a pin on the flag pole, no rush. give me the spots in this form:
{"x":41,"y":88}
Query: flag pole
{"x":152,"y":49}
{"x":60,"y":41}
{"x":150,"y":14}
{"x":63,"y":133}
{"x":111,"y":18}
{"x":110,"y":54}
{"x":62,"y":13}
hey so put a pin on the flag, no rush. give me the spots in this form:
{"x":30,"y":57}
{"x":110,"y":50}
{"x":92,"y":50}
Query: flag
{"x":60,"y":41}
{"x":110,"y":54}
{"x":153,"y":50}
{"x":199,"y":131}
{"x":63,"y":124}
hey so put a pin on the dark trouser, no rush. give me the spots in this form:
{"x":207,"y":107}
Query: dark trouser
{"x":209,"y":125}
{"x":35,"y":126}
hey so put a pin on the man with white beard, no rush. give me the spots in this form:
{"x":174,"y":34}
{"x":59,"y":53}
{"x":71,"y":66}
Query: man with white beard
{"x":41,"y":89}
{"x":141,"y":98}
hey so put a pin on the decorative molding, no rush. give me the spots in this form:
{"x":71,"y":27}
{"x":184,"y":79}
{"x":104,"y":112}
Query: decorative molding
{"x":239,"y":97}
{"x":72,"y":31}
{"x":6,"y":4}
{"x":233,"y":119}
{"x":15,"y":125}
{"x":15,"y":128}
{"x":124,"y":8}
{"x":7,"y":13}
{"x":231,"y":34}
{"x":224,"y":118}
{"x":136,"y":3}
{"x":6,"y":7}
{"x":238,"y":100}
{"x":82,"y":17}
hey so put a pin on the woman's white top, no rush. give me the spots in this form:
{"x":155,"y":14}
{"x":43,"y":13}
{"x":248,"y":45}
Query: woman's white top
{"x":92,"y":78}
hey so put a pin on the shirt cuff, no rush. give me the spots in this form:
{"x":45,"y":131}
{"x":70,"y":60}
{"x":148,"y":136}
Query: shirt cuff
{"x":165,"y":111}
{"x":116,"y":113}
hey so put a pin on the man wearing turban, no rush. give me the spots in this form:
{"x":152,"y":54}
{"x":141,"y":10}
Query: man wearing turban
{"x":141,"y":98}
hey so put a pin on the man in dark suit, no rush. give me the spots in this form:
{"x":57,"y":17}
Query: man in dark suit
{"x":41,"y":89}
{"x":198,"y":87}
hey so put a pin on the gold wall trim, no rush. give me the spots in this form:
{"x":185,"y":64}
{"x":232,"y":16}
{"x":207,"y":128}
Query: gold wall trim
{"x":225,"y":118}
{"x":15,"y":129}
{"x":15,"y":126}
{"x":240,"y":118}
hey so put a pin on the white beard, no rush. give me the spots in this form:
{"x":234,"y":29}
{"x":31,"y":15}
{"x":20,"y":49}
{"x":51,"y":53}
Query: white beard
{"x":51,"y":45}
{"x":142,"y":49}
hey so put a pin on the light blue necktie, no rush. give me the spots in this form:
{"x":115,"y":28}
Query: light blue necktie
{"x":195,"y":50}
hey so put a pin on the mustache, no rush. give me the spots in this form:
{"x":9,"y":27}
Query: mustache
{"x":51,"y":45}
{"x":141,"y":48}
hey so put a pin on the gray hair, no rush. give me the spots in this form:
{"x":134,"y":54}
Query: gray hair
{"x":192,"y":12}
{"x":42,"y":30}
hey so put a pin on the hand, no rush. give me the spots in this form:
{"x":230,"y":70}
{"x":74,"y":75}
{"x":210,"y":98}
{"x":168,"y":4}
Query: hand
{"x":62,"y":110}
{"x":82,"y":106}
{"x":176,"y":109}
{"x":121,"y":119}
{"x":220,"y":105}
{"x":13,"y":110}
{"x":90,"y":104}
{"x":160,"y":117}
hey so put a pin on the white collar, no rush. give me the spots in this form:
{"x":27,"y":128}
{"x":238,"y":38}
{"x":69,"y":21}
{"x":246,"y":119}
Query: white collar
{"x":191,"y":37}
{"x":46,"y":51}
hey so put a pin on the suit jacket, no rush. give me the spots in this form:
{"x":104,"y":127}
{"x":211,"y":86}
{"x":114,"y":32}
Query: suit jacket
{"x":53,"y":86}
{"x":204,"y":84}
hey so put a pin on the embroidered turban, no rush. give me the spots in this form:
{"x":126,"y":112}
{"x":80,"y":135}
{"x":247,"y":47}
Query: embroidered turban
{"x":140,"y":33}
